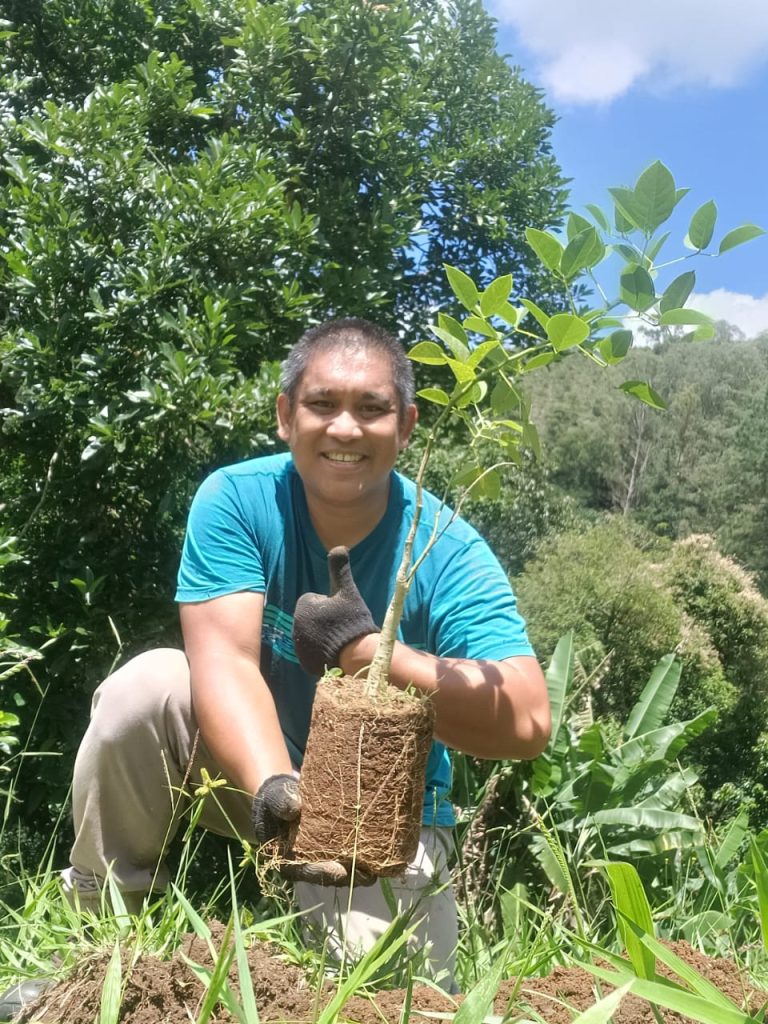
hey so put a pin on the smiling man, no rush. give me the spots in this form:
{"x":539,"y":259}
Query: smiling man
{"x":237,"y":702}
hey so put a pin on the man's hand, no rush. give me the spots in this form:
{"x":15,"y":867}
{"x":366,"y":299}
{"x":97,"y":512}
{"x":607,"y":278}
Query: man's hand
{"x":275,"y":807}
{"x":323,"y":626}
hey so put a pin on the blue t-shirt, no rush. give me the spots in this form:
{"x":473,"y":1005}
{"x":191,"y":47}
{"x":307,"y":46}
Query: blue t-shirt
{"x":249,"y":529}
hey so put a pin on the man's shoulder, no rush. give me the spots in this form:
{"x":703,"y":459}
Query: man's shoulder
{"x":263,"y":467}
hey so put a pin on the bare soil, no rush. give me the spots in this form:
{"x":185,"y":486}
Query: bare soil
{"x":168,"y":992}
{"x":365,"y":753}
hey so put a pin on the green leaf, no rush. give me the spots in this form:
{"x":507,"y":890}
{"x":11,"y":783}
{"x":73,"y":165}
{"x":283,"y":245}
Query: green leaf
{"x":584,"y":250}
{"x":636,"y":288}
{"x":631,"y":903}
{"x":656,"y":246}
{"x":450,"y":324}
{"x":623,"y":225}
{"x":604,"y":1009}
{"x":531,"y":438}
{"x":702,"y":226}
{"x":655,"y":195}
{"x":686,"y":974}
{"x":615,"y":347}
{"x":546,"y":247}
{"x":677,"y":292}
{"x":559,"y":677}
{"x":674,"y":317}
{"x":488,"y":486}
{"x":247,"y":994}
{"x":703,"y":333}
{"x":646,"y":817}
{"x":644,"y":392}
{"x":739,"y":235}
{"x":627,"y":212}
{"x":496,"y":295}
{"x":435,"y":395}
{"x":109,"y":1011}
{"x":428,"y":352}
{"x":656,"y":699}
{"x":456,"y":347}
{"x":508,"y":314}
{"x":463,"y":287}
{"x":542,"y":359}
{"x":576,"y":224}
{"x":480,"y":326}
{"x":667,"y":741}
{"x":479,"y":1000}
{"x":484,"y":349}
{"x":565,"y":330}
{"x":504,"y":397}
{"x":761,"y":884}
{"x":599,"y":216}
{"x":461,"y":371}
{"x":730,"y":844}
{"x":538,"y":313}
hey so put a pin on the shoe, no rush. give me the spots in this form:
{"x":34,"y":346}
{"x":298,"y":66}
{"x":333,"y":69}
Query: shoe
{"x":15,"y":998}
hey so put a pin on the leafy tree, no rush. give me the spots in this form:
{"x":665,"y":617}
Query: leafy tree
{"x":185,"y":187}
{"x":628,"y":597}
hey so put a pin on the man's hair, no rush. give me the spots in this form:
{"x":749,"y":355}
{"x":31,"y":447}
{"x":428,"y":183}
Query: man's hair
{"x":352,"y":332}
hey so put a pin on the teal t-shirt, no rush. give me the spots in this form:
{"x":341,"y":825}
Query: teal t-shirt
{"x":249,"y":530}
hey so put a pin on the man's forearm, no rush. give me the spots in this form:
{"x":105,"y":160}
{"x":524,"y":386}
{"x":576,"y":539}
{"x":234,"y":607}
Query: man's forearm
{"x":490,"y":709}
{"x":238,"y":721}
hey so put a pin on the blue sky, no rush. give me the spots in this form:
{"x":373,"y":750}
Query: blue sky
{"x":683,"y":81}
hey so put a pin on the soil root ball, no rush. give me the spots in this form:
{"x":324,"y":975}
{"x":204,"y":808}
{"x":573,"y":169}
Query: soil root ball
{"x":363,"y":777}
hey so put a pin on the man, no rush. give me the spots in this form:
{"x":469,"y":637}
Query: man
{"x":257,"y":541}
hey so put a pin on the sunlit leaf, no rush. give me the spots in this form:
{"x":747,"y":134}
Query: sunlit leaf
{"x":599,"y":216}
{"x":739,"y":235}
{"x":615,"y":347}
{"x":702,"y":226}
{"x":436,"y":395}
{"x":565,"y":330}
{"x":583,"y":251}
{"x":428,"y":352}
{"x":456,"y":347}
{"x":539,"y":315}
{"x":636,"y":288}
{"x":644,"y":392}
{"x":546,"y":247}
{"x":463,"y":287}
{"x":677,"y":292}
{"x":496,"y":295}
{"x":480,"y":326}
{"x":675,"y":317}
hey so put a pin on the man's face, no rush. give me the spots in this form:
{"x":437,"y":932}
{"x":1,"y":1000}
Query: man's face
{"x":344,"y":428}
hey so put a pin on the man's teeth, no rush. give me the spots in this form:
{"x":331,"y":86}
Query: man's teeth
{"x":343,"y":456}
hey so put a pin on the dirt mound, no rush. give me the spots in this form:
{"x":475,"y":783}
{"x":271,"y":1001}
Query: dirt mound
{"x":168,"y":992}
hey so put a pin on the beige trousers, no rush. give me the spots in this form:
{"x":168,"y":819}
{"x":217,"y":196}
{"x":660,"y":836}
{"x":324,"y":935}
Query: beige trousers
{"x":139,"y":761}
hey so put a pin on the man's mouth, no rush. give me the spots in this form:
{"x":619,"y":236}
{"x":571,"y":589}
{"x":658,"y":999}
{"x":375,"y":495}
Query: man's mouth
{"x":343,"y":456}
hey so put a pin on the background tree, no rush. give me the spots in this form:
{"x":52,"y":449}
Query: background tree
{"x":186,"y":186}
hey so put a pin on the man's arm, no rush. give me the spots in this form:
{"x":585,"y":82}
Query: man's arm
{"x":490,"y":709}
{"x":233,"y":705}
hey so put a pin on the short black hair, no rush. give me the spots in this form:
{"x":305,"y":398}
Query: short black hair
{"x":354,"y":332}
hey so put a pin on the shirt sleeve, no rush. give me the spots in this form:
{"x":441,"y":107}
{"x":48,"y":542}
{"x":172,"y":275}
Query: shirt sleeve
{"x":221,"y":553}
{"x":474,"y":612}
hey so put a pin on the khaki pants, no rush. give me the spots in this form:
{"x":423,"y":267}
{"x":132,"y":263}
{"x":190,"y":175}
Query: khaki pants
{"x":140,"y":758}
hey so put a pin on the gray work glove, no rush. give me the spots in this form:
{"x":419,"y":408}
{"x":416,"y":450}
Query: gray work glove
{"x":323,"y":626}
{"x":275,"y":807}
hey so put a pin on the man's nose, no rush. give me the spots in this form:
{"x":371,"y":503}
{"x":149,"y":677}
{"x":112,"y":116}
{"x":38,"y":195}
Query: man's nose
{"x":345,"y":426}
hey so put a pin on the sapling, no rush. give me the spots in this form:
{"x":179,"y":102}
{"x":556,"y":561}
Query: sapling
{"x":377,"y":761}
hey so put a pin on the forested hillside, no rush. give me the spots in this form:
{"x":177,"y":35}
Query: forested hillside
{"x":701,"y":466}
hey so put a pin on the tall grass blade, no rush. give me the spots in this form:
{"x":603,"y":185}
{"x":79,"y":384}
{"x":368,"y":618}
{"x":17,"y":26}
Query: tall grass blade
{"x":631,"y":904}
{"x":656,"y":699}
{"x":732,"y":840}
{"x":604,"y":1009}
{"x":109,"y":1010}
{"x":479,"y":999}
{"x":250,"y":1011}
{"x":380,"y":954}
{"x":659,"y":993}
{"x":761,"y":883}
{"x":559,"y":676}
{"x":200,"y":928}
{"x":218,"y":978}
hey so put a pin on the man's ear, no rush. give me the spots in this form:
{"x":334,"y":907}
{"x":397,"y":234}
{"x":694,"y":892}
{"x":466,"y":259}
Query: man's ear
{"x":283,"y":407}
{"x":410,"y":420}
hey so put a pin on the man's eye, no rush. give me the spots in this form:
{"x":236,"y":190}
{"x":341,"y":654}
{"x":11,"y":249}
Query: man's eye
{"x":373,"y":410}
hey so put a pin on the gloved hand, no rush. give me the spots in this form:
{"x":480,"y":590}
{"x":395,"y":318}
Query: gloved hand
{"x":323,"y":626}
{"x":276,"y":805}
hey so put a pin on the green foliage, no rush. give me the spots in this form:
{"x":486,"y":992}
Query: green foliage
{"x":185,"y":188}
{"x":630,"y":597}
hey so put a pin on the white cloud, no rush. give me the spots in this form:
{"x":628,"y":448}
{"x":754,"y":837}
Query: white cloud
{"x":595,"y":51}
{"x":748,"y":313}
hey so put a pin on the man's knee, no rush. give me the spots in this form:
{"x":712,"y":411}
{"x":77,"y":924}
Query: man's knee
{"x":151,"y":688}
